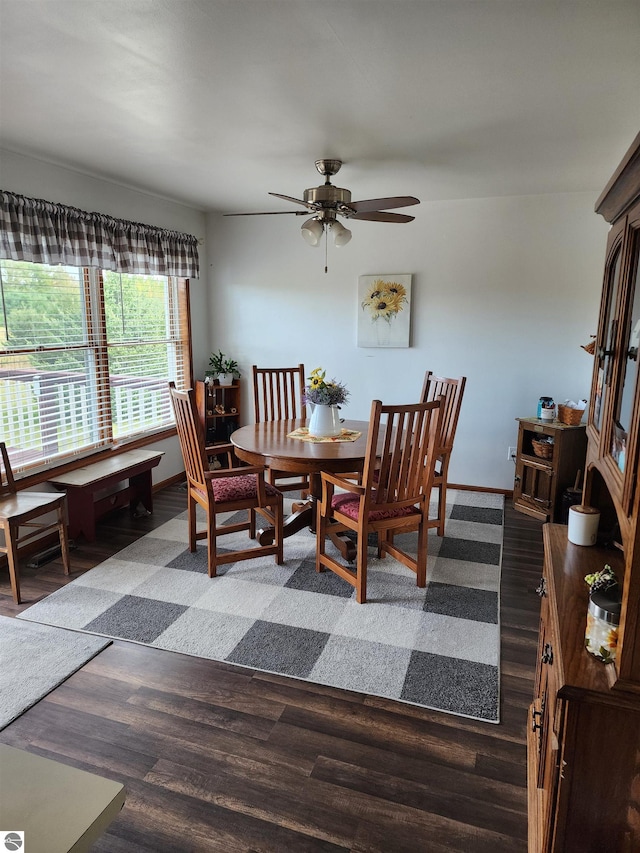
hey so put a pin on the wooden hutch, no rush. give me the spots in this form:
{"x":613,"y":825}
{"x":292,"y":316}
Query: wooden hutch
{"x":584,"y":723}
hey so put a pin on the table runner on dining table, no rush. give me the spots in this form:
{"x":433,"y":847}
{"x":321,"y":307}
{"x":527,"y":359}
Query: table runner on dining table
{"x":345,"y":435}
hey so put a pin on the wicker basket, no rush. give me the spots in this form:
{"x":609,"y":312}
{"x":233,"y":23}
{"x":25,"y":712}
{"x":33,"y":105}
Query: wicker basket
{"x":542,"y":448}
{"x":569,"y":416}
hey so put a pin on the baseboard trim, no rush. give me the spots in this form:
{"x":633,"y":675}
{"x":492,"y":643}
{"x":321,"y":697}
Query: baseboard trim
{"x":506,"y":492}
{"x":170,"y":481}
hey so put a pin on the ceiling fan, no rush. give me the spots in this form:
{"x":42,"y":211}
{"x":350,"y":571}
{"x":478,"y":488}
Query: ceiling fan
{"x":327,"y":202}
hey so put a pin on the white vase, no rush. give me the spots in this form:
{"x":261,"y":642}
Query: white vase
{"x":225,"y":378}
{"x":325,"y":421}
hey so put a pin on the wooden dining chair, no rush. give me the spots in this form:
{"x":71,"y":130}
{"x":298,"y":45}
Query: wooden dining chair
{"x":223,"y":491}
{"x":452,"y":391}
{"x":278,"y":394}
{"x":23,"y":509}
{"x":392,"y":495}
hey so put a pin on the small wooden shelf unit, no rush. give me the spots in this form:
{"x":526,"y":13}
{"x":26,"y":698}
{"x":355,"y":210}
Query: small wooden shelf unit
{"x":539,"y":482}
{"x":219,"y":410}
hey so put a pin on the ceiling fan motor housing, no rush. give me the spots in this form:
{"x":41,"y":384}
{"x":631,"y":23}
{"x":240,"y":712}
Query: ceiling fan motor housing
{"x":327,"y":196}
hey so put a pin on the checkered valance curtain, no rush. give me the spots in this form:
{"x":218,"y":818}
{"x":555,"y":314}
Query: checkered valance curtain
{"x":46,"y":233}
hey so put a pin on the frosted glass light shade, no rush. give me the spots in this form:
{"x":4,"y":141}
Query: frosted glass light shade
{"x":312,"y":231}
{"x":341,"y":235}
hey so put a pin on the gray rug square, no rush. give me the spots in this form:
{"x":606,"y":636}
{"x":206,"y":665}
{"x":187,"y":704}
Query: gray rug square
{"x":463,"y":602}
{"x":151,"y":549}
{"x":303,"y":609}
{"x":116,"y":575}
{"x":134,"y":618}
{"x":437,"y":647}
{"x":285,"y":649}
{"x":452,"y":637}
{"x":377,"y":622}
{"x":306,"y":578}
{"x":390,"y":583}
{"x":188,"y":562}
{"x":478,"y":499}
{"x":472,"y":531}
{"x":471,"y":688}
{"x":237,"y":597}
{"x":72,"y":606}
{"x":340,"y":665}
{"x":204,"y":633}
{"x":465,"y":573}
{"x":479,"y":514}
{"x":466,"y":549}
{"x":167,"y":584}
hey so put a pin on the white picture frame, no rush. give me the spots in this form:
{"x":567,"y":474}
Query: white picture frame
{"x":384,"y":310}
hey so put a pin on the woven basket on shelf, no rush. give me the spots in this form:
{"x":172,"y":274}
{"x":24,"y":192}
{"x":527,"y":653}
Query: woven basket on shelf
{"x":569,"y":416}
{"x":542,"y":448}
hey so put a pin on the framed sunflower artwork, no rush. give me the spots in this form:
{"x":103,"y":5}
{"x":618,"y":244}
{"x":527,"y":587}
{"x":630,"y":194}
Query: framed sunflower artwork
{"x":384,"y":310}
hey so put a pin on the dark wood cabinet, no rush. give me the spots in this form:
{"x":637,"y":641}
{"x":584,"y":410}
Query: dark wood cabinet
{"x":584,"y":727}
{"x":540,"y":481}
{"x":583,"y":740}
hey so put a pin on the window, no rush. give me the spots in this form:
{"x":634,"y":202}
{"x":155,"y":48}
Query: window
{"x":85,"y":358}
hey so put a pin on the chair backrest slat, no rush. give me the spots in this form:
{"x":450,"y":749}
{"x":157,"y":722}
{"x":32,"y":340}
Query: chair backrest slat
{"x":278,"y":393}
{"x":401,"y":452}
{"x":190,"y":434}
{"x":452,"y":390}
{"x":7,"y":483}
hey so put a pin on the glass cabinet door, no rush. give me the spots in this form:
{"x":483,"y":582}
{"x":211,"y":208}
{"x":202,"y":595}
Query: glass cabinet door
{"x":607,"y":332}
{"x":623,"y":412}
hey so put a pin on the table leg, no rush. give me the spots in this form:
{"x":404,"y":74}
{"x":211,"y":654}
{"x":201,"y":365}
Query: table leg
{"x":304,"y":515}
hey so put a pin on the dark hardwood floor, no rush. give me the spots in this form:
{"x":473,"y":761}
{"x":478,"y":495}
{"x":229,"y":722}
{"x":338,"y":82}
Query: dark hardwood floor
{"x":219,"y":758}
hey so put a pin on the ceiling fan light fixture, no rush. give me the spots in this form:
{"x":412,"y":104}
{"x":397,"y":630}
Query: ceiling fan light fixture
{"x":312,"y":231}
{"x":341,"y":235}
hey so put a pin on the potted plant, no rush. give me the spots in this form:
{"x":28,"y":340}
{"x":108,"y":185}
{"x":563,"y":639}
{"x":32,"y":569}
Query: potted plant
{"x":225,"y":368}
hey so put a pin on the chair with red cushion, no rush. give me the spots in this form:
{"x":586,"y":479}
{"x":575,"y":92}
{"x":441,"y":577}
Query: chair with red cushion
{"x":392,"y":495}
{"x":223,"y":491}
{"x":451,"y":390}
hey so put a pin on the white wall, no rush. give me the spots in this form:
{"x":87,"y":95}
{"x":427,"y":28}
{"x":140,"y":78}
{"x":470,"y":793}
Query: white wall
{"x":505,"y":290}
{"x":38,"y":179}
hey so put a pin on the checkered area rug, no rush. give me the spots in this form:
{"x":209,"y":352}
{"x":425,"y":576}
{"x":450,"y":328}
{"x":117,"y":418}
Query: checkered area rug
{"x":436,"y":647}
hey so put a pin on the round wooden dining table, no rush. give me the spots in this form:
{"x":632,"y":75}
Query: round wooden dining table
{"x":269,"y":443}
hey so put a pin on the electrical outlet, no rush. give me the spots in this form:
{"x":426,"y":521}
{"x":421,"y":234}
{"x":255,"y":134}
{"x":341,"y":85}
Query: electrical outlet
{"x":511,"y":453}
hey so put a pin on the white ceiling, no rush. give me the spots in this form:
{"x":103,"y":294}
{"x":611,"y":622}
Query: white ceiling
{"x":216,"y":102}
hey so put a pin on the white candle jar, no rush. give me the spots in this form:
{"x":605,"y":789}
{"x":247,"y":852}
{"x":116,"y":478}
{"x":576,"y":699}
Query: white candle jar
{"x":603,"y":618}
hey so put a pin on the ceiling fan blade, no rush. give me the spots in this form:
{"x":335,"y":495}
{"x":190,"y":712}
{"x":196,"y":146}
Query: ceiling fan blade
{"x":294,"y":200}
{"x":270,"y":213}
{"x":383,"y":216}
{"x":383,"y":203}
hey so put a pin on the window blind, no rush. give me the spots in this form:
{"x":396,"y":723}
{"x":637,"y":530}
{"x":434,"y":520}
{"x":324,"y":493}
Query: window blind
{"x":85,"y":358}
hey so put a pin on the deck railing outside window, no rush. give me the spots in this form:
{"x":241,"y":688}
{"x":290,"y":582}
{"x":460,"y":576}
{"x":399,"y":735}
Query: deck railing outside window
{"x":85,"y":358}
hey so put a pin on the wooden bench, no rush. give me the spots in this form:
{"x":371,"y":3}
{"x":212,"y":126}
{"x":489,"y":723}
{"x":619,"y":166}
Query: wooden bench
{"x":83,"y":485}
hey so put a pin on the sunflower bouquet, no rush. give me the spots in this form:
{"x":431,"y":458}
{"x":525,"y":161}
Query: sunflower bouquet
{"x":385,"y":300}
{"x":325,"y":393}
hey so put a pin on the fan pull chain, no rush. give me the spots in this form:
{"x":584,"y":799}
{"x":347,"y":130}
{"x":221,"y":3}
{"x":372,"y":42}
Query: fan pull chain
{"x":326,"y":243}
